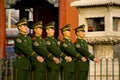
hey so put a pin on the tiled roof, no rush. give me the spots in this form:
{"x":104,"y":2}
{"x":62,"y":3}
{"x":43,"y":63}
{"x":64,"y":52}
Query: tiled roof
{"x":82,"y":3}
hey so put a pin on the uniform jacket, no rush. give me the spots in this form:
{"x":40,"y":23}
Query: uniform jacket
{"x":68,"y":48}
{"x":82,"y":47}
{"x":39,"y":46}
{"x":23,"y":48}
{"x":53,"y":48}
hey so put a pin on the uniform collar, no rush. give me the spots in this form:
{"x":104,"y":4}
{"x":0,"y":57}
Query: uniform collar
{"x":82,"y":39}
{"x":79,"y":38}
{"x":51,"y":37}
{"x":22,"y":34}
{"x":67,"y":39}
{"x":38,"y":36}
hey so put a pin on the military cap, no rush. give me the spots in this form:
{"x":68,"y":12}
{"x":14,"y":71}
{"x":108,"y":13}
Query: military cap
{"x":80,"y":28}
{"x":37,"y":25}
{"x":23,"y":21}
{"x":66,"y":27}
{"x":50,"y":25}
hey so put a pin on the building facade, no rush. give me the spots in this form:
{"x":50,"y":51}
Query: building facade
{"x":59,"y":11}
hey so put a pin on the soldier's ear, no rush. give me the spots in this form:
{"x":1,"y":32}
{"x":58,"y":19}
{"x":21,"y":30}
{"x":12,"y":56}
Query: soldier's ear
{"x":47,"y":30}
{"x":63,"y":32}
{"x":34,"y":30}
{"x":77,"y":33}
{"x":18,"y":27}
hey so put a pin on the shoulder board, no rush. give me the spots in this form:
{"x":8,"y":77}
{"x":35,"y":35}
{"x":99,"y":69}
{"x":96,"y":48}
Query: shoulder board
{"x":63,"y":40}
{"x":76,"y":41}
{"x":18,"y":35}
{"x":34,"y":38}
{"x":46,"y":39}
{"x":18,"y":40}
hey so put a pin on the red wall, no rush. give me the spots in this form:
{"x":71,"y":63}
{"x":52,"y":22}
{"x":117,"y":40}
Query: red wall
{"x":2,"y":29}
{"x":67,"y":15}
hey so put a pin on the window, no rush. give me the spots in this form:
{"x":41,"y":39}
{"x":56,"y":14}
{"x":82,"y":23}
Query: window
{"x":116,"y":24}
{"x":12,"y":17}
{"x":95,"y":24}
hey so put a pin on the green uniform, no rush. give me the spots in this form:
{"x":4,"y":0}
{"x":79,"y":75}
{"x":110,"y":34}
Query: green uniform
{"x":52,"y":67}
{"x":82,"y":68}
{"x":81,"y":46}
{"x":23,"y":49}
{"x":39,"y":69}
{"x":68,"y":68}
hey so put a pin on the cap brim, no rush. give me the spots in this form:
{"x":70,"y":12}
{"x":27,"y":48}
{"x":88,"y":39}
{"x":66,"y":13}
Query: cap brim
{"x":22,"y":24}
{"x":50,"y":28}
{"x":66,"y":30}
{"x":82,"y":30}
{"x":25,"y":24}
{"x":38,"y":27}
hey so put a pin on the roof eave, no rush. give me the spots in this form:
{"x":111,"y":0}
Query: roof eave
{"x":80,"y":4}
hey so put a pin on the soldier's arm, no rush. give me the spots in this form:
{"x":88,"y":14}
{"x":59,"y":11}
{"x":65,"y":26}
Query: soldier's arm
{"x":83,"y":51}
{"x":69,"y":50}
{"x":55,"y":50}
{"x":23,"y":47}
{"x":41,"y":50}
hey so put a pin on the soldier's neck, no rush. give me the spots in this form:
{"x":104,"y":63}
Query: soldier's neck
{"x":24,"y":33}
{"x":37,"y":35}
{"x":66,"y":37}
{"x":50,"y":36}
{"x":79,"y":37}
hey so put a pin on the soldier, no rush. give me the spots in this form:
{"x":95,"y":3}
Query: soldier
{"x":68,"y":68}
{"x":81,"y":46}
{"x":39,"y":46}
{"x":23,"y":49}
{"x":53,"y":47}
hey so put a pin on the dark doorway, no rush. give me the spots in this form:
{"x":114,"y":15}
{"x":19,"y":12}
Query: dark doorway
{"x":42,"y":11}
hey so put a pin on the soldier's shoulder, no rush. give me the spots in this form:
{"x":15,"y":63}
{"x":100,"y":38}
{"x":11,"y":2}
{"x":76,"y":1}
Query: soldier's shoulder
{"x":18,"y":39}
{"x":63,"y":40}
{"x":46,"y":39}
{"x":28,"y":36}
{"x":34,"y":38}
{"x":18,"y":35}
{"x":76,"y":41}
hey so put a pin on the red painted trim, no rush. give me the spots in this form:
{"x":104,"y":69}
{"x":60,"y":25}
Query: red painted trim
{"x":2,"y":29}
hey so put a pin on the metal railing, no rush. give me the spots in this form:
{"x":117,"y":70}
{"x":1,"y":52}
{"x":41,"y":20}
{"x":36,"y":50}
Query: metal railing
{"x":6,"y":69}
{"x":107,"y":69}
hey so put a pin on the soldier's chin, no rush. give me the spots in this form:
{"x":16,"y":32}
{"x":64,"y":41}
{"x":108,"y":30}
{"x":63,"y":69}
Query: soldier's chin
{"x":52,"y":34}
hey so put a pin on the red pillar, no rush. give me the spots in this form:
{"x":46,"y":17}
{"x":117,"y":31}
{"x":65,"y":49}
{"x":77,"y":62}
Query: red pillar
{"x":2,"y":29}
{"x":62,"y":16}
{"x":67,"y":15}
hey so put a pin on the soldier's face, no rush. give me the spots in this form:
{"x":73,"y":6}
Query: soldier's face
{"x":67,"y":34}
{"x":81,"y":34}
{"x":38,"y":31}
{"x":50,"y":32}
{"x":23,"y":28}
